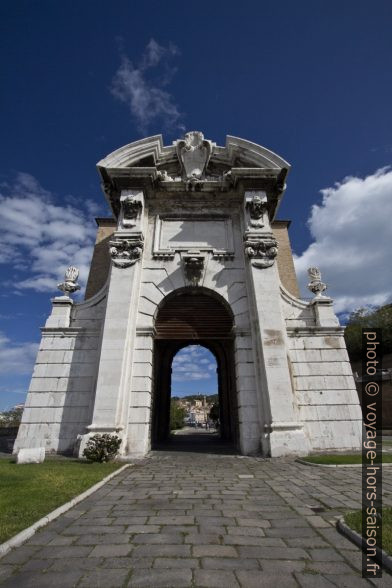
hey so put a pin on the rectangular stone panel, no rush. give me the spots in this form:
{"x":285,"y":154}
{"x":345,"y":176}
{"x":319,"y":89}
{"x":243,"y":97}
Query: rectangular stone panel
{"x":182,"y":233}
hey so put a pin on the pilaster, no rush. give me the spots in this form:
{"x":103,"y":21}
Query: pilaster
{"x":126,"y":251}
{"x":282,"y":433}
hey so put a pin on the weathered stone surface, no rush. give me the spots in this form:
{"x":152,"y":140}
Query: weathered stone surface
{"x":94,"y":373}
{"x":32,"y":455}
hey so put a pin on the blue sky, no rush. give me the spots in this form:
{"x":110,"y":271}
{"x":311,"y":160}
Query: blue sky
{"x":194,"y":372}
{"x":309,"y":80}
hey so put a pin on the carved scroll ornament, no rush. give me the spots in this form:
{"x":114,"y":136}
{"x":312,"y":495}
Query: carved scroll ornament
{"x":261,"y":251}
{"x":126,"y":252}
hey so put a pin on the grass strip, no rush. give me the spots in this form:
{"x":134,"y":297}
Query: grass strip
{"x":354,"y":520}
{"x":342,"y":459}
{"x":30,"y":491}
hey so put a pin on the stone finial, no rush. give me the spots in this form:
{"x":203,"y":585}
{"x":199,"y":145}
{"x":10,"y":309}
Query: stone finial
{"x":69,"y":286}
{"x":316,"y":286}
{"x":194,"y":153}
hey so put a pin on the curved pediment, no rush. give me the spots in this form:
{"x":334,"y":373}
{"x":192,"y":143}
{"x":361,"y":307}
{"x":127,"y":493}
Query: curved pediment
{"x":193,"y":163}
{"x":151,"y":152}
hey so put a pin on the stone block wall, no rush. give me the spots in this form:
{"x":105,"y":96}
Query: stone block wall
{"x":325,"y":390}
{"x":61,"y":394}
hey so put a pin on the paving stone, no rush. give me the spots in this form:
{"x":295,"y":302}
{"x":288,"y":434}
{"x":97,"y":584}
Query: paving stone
{"x":127,"y":562}
{"x":152,"y":538}
{"x":159,"y":578}
{"x":273,"y":552}
{"x":214,"y":551}
{"x":101,"y":539}
{"x":161,"y":550}
{"x":6,"y":571}
{"x":66,"y":579}
{"x":317,"y":521}
{"x":42,"y":538}
{"x":143,"y":529}
{"x":170,"y":562}
{"x":335,"y":567}
{"x":19,"y":555}
{"x":98,"y":529}
{"x":225,"y":563}
{"x":291,"y":532}
{"x":62,"y":540}
{"x":325,"y":555}
{"x":306,"y":542}
{"x":130,"y":520}
{"x":82,"y":563}
{"x":270,"y":566}
{"x":215,"y":579}
{"x":242,"y":540}
{"x":176,"y":520}
{"x":254,"y":579}
{"x":65,"y":552}
{"x":350,"y":581}
{"x":203,"y":539}
{"x":111,"y":550}
{"x":308,"y":580}
{"x":248,"y":531}
{"x":36,"y":564}
{"x":243,"y":522}
{"x":104,"y":577}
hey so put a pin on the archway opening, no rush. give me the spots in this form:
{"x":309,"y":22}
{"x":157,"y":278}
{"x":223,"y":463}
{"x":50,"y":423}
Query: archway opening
{"x":194,"y":371}
{"x":194,"y":403}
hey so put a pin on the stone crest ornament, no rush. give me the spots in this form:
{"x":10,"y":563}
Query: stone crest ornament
{"x":257,"y":207}
{"x":132,"y":207}
{"x":316,"y":286}
{"x":262,"y":251}
{"x":194,"y":153}
{"x":126,"y":252}
{"x":69,"y":286}
{"x":193,"y":266}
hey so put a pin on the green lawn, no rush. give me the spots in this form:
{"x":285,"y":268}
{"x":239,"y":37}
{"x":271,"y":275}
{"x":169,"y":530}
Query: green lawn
{"x":31,"y":491}
{"x":342,"y":459}
{"x":354,"y":520}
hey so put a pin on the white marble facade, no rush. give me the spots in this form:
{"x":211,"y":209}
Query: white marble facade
{"x":193,"y":205}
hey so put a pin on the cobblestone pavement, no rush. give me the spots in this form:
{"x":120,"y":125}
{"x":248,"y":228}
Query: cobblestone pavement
{"x":188,"y":519}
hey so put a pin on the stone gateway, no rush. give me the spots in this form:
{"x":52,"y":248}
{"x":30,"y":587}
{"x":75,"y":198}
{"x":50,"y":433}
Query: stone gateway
{"x":193,"y":254}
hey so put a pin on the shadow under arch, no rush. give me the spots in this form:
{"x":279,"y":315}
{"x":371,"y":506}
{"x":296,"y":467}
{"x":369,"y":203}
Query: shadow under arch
{"x":190,"y":316}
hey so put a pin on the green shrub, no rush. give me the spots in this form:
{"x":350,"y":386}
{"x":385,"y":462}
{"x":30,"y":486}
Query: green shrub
{"x":102,"y":447}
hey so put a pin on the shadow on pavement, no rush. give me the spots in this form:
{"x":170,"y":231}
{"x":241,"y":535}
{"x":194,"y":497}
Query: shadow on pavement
{"x":197,"y":441}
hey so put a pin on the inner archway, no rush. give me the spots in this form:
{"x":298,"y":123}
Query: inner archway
{"x":192,"y":318}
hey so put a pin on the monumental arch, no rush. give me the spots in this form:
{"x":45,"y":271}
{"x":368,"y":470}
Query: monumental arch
{"x":194,"y":253}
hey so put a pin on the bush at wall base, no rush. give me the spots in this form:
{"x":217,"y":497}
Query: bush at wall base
{"x":102,"y":447}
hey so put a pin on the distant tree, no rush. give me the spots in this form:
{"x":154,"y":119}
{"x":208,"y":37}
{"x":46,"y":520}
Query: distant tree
{"x":177,"y":415}
{"x":214,"y":413}
{"x":11,"y":418}
{"x":369,"y":319}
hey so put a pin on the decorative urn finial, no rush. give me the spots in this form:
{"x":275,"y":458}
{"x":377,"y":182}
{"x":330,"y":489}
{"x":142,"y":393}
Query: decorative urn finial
{"x":69,"y":286}
{"x":316,"y":286}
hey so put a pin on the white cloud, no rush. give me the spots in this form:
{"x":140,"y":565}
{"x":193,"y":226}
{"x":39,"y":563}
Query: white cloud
{"x":41,"y":238}
{"x":193,"y":363}
{"x":16,"y":358}
{"x":146,"y":98}
{"x":352,"y":234}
